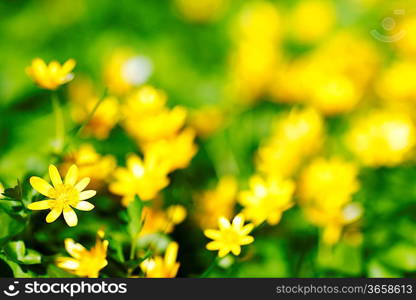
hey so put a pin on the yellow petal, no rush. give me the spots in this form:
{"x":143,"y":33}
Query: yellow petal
{"x":247,"y":229}
{"x":246,"y":240}
{"x":74,"y":249}
{"x":86,"y":195}
{"x":70,"y":216}
{"x":67,"y":263}
{"x":238,"y":221}
{"x":54,"y":175}
{"x":171,"y":254}
{"x":82,"y":184}
{"x":213,"y":234}
{"x":223,"y":223}
{"x":236,"y":250}
{"x":68,"y":66}
{"x":215,"y":245}
{"x":72,"y":175}
{"x":53,"y":214}
{"x":84,"y":205}
{"x":40,"y":205}
{"x":223,"y":251}
{"x":41,"y":186}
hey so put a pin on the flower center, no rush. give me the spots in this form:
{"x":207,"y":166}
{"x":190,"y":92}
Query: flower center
{"x":66,"y":194}
{"x":230,"y":236}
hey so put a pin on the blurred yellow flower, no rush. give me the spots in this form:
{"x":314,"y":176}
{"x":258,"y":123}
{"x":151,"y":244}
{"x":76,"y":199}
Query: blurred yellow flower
{"x":63,"y":196}
{"x":333,"y":219}
{"x":217,"y":202}
{"x":162,"y":267}
{"x":229,"y":237}
{"x":284,"y":151}
{"x":50,"y":76}
{"x":144,"y":178}
{"x":201,"y":11}
{"x":157,"y":220}
{"x":125,"y":69}
{"x":176,"y":152}
{"x":330,"y":182}
{"x":207,"y":120}
{"x":396,"y":82}
{"x":407,"y":44}
{"x":325,"y":188}
{"x":382,"y":138}
{"x":102,"y":121}
{"x":97,"y":167}
{"x":312,"y":20}
{"x":267,"y":199}
{"x":83,"y":262}
{"x":1,"y":191}
{"x":147,"y":119}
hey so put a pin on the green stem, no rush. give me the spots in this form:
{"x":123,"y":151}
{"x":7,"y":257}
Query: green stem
{"x":92,"y":112}
{"x":133,"y":248}
{"x":210,"y":268}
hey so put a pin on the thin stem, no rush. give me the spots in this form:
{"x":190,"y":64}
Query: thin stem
{"x":92,"y":112}
{"x":210,"y":268}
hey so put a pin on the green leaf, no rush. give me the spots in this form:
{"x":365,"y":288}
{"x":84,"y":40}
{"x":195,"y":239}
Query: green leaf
{"x":15,"y":193}
{"x":341,"y":257}
{"x":17,"y":252}
{"x":10,"y":226}
{"x":134,"y":212}
{"x":401,"y":256}
{"x":17,"y":270}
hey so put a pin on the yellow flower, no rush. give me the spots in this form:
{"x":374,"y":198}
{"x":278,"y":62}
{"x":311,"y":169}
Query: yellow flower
{"x":125,"y":69}
{"x":312,"y":20}
{"x":144,"y":178}
{"x":325,"y":189}
{"x":207,"y":120}
{"x":285,"y":150}
{"x":333,"y":219}
{"x":382,"y":138}
{"x":217,"y":202}
{"x":229,"y":237}
{"x":90,"y":164}
{"x":51,"y":76}
{"x":84,"y":263}
{"x":63,"y":196}
{"x":162,"y":267}
{"x":102,"y":121}
{"x":157,"y":220}
{"x":329,"y":182}
{"x":147,"y":119}
{"x":176,"y":152}
{"x":266,"y":199}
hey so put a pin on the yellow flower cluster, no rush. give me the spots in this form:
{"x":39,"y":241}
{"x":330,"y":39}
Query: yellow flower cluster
{"x":382,"y":138}
{"x":165,"y":144}
{"x":325,"y":188}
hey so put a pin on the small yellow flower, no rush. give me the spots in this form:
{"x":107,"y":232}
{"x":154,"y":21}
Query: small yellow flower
{"x":144,"y":178}
{"x":51,"y":76}
{"x":162,"y":267}
{"x":267,"y":199}
{"x":63,"y":195}
{"x":382,"y":138}
{"x":214,"y":203}
{"x":84,"y":263}
{"x":207,"y":120}
{"x":90,"y":164}
{"x":177,"y":151}
{"x":229,"y":237}
{"x":157,"y":220}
